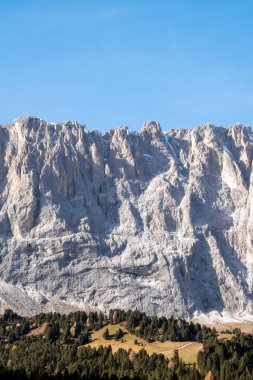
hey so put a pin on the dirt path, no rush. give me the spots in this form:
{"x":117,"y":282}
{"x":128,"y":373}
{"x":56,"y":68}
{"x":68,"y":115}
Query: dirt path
{"x":179,"y":348}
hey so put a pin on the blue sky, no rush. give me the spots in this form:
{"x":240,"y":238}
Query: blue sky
{"x":109,"y":63}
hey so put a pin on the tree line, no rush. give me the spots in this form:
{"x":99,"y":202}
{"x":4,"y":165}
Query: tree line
{"x":160,"y":328}
{"x":79,"y":324}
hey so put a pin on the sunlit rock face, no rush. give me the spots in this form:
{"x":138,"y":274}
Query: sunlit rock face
{"x":159,"y":221}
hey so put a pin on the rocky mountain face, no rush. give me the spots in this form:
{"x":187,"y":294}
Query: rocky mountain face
{"x":157,"y":221}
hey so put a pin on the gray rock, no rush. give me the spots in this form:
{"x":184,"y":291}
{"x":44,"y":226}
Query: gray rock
{"x":157,"y":221}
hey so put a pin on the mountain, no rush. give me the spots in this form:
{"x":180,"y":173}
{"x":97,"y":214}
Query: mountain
{"x":159,"y":221}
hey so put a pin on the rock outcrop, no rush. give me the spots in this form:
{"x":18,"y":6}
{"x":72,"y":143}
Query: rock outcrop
{"x":157,"y":221}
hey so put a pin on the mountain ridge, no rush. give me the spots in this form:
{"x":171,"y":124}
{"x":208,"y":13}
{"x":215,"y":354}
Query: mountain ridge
{"x":156,"y":220}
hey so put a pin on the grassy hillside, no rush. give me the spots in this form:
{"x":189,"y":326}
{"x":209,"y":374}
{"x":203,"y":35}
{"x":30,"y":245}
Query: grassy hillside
{"x":187,"y":350}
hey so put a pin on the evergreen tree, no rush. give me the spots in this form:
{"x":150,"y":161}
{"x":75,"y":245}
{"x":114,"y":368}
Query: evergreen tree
{"x":106,"y":334}
{"x":118,"y":335}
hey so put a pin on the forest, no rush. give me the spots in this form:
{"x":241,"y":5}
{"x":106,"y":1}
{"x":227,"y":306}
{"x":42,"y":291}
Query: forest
{"x":62,"y":350}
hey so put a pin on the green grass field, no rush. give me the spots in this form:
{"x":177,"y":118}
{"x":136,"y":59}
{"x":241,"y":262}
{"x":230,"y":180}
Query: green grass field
{"x":187,"y":350}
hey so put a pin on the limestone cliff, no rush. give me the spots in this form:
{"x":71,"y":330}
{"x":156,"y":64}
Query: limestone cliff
{"x":157,"y":221}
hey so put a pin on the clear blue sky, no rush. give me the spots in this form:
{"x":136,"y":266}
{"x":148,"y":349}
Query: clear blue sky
{"x":109,"y":63}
